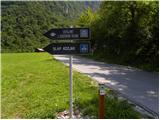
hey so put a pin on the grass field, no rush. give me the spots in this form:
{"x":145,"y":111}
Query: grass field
{"x":34,"y":85}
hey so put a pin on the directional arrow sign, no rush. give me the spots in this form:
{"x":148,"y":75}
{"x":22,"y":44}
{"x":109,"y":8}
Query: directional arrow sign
{"x":68,"y":33}
{"x":68,"y":48}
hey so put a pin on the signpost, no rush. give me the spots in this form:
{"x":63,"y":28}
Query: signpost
{"x":71,"y":88}
{"x":68,"y":48}
{"x":68,"y":33}
{"x":81,"y":48}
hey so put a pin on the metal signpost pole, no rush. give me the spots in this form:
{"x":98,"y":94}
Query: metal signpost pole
{"x":71,"y":88}
{"x":69,"y":48}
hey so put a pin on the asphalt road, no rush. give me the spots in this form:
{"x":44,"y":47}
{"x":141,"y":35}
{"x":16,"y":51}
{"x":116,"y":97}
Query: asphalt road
{"x":139,"y":86}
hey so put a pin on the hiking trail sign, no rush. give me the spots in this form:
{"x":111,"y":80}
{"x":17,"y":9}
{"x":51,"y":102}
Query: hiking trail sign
{"x":82,"y":47}
{"x":68,"y":48}
{"x":68,"y":33}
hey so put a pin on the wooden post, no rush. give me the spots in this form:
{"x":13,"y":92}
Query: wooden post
{"x":101,"y":101}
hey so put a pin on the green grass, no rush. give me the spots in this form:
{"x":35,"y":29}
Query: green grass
{"x":34,"y":85}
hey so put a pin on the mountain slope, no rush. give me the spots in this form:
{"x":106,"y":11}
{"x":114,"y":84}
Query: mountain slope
{"x":23,"y":23}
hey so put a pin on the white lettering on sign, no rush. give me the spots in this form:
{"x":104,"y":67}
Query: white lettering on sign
{"x":65,"y":36}
{"x":75,"y":35}
{"x":67,"y":31}
{"x":68,"y":48}
{"x":57,"y":48}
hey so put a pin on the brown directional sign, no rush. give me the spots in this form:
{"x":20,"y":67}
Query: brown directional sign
{"x":68,"y":48}
{"x":68,"y":33}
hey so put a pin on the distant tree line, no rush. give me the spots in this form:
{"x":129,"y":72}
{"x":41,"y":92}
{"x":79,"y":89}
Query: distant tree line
{"x":125,"y":32}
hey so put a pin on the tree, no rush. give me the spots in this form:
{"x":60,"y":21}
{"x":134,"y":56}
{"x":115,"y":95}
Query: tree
{"x":126,"y":32}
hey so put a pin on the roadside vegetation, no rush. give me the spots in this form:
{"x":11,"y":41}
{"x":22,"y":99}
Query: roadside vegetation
{"x":25,"y":22}
{"x":125,"y":32}
{"x":34,"y":85}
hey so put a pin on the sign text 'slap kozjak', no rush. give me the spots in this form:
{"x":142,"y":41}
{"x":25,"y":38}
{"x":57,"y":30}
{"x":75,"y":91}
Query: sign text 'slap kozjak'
{"x":79,"y":45}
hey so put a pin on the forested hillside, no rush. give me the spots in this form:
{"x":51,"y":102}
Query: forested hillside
{"x":125,"y":32}
{"x":24,"y":23}
{"x":122,"y":32}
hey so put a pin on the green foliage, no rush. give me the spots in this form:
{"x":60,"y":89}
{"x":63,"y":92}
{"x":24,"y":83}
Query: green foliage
{"x":114,"y":108}
{"x":126,"y":32}
{"x":87,"y":17}
{"x":121,"y":109}
{"x":24,"y":23}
